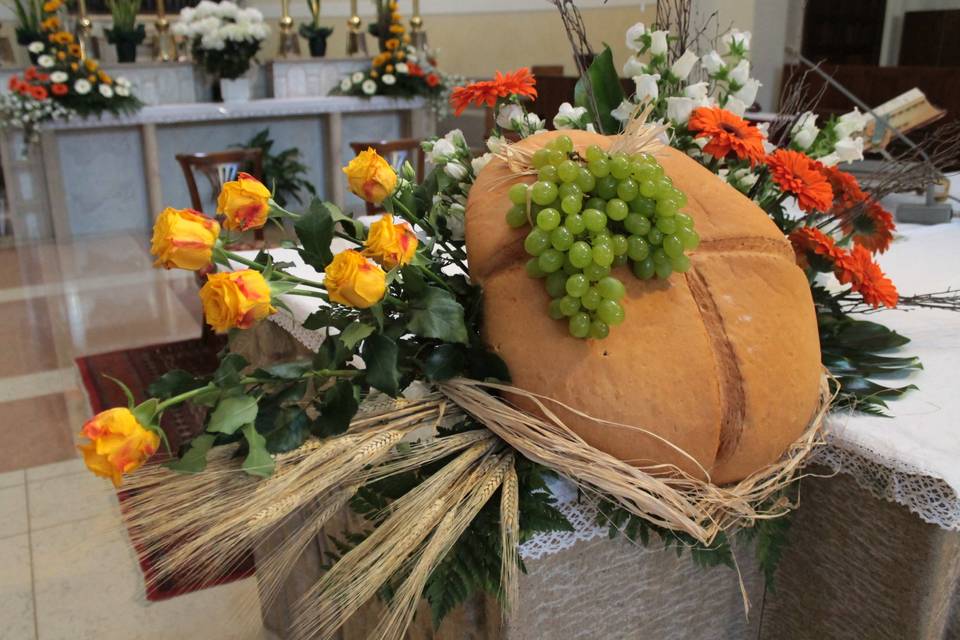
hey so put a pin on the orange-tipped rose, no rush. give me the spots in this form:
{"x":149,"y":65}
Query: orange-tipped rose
{"x":183,"y":238}
{"x":353,"y":280}
{"x":237,"y":299}
{"x":390,"y":244}
{"x":245,"y":202}
{"x":119,"y":444}
{"x":371,"y":177}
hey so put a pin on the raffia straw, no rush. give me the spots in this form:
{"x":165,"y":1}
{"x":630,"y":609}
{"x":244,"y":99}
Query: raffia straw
{"x":673,"y":500}
{"x":510,"y":543}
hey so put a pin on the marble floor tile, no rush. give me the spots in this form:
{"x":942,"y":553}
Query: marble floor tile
{"x":13,"y":507}
{"x":12,"y":478}
{"x":16,"y":589}
{"x":47,"y":471}
{"x":27,"y":336}
{"x":37,"y":431}
{"x":71,"y":498}
{"x":40,"y":383}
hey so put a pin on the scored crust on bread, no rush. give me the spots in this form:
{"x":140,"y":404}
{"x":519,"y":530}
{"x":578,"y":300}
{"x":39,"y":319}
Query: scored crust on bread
{"x":722,"y":361}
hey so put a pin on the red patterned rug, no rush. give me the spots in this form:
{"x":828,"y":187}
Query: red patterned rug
{"x":138,"y":368}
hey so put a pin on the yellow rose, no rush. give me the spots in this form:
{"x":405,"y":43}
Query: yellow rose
{"x":119,"y":444}
{"x":235,"y":299}
{"x":183,"y":238}
{"x":353,"y":280}
{"x":371,"y":177}
{"x":390,"y":244}
{"x":245,"y":202}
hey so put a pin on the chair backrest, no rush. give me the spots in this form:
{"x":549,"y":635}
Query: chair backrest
{"x":218,"y":167}
{"x":396,"y":152}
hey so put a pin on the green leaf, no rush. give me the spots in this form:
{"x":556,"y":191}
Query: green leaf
{"x":207,"y":398}
{"x":444,"y":362}
{"x":124,"y":388}
{"x":339,"y":405}
{"x":195,"y":459}
{"x":232,"y":413}
{"x":258,"y":462}
{"x":291,"y":427}
{"x":354,"y":227}
{"x":173,"y":383}
{"x":380,"y":355}
{"x":354,"y":333}
{"x":486,"y":365}
{"x":146,"y":412}
{"x":413,"y":281}
{"x":315,"y":232}
{"x":437,"y":314}
{"x":607,"y":91}
{"x":334,"y":316}
{"x":332,"y":354}
{"x":284,"y":371}
{"x":230,"y":371}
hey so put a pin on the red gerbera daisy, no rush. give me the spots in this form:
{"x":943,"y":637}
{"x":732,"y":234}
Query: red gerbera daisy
{"x":727,"y":133}
{"x":846,"y":190}
{"x":486,"y":92}
{"x":38,"y":92}
{"x":872,"y":228}
{"x":433,"y":80}
{"x":816,"y":249}
{"x":59,"y":89}
{"x":795,"y":173}
{"x":865,"y":277}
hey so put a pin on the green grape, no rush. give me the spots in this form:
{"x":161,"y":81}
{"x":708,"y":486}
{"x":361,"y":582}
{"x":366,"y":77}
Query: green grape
{"x":617,"y":209}
{"x":599,"y":329}
{"x":548,"y":219}
{"x":556,"y":156}
{"x":533,"y":268}
{"x":547,"y":173}
{"x":516,"y":216}
{"x":595,"y":203}
{"x":619,"y":261}
{"x":628,"y":189}
{"x":689,"y":237}
{"x":580,"y":254}
{"x":655,"y":237}
{"x":618,"y":242}
{"x":579,"y":325}
{"x":563,"y":143}
{"x":637,"y":248}
{"x":603,"y":235}
{"x":518,"y":193}
{"x":543,"y":193}
{"x":663,"y":270}
{"x":644,"y":171}
{"x":561,"y":239}
{"x":607,"y":187}
{"x":568,"y":170}
{"x":644,"y":269}
{"x":657,"y":172}
{"x":666,"y":208}
{"x":660,"y":256}
{"x":556,"y":284}
{"x":684,"y":220}
{"x":594,"y":271}
{"x":536,"y":241}
{"x":594,"y":152}
{"x":611,"y":289}
{"x":620,"y":166}
{"x":570,"y":189}
{"x":637,"y":224}
{"x":554,"y":310}
{"x":648,"y":188}
{"x":550,"y":260}
{"x":666,"y":225}
{"x":568,"y":268}
{"x":540,"y":158}
{"x":569,"y":305}
{"x":672,"y":246}
{"x":610,"y":312}
{"x":574,"y":223}
{"x":585,"y":180}
{"x":679,"y":197}
{"x":645,"y":206}
{"x":680,"y":264}
{"x":664,"y":187}
{"x":599,"y":167}
{"x":594,"y":220}
{"x":591,"y":299}
{"x":603,"y":254}
{"x":571,"y":204}
{"x":576,"y":285}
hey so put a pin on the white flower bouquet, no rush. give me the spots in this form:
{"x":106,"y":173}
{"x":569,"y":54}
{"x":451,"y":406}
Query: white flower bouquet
{"x":224,"y":38}
{"x":26,"y":112}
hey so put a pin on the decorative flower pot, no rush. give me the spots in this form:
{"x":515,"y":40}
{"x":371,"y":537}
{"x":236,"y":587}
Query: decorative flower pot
{"x":318,"y":45}
{"x":126,"y":51}
{"x":126,"y":42}
{"x":236,"y":90}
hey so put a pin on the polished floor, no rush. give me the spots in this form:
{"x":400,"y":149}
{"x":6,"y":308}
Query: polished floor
{"x":66,"y":567}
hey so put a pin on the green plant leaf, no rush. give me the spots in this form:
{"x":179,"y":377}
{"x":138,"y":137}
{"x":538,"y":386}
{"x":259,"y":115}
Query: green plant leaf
{"x":607,"y":91}
{"x":232,"y":413}
{"x":146,"y":412}
{"x":437,"y":314}
{"x":258,"y":462}
{"x":339,"y":405}
{"x":173,"y":383}
{"x":126,"y":390}
{"x":333,"y":316}
{"x":486,"y":365}
{"x":380,"y":355}
{"x":354,"y":333}
{"x":195,"y":458}
{"x":332,"y":354}
{"x":230,"y":371}
{"x":444,"y":362}
{"x":315,"y":232}
{"x":291,"y":427}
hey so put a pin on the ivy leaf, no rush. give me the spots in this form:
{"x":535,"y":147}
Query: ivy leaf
{"x":232,"y":413}
{"x":607,"y":91}
{"x":315,"y":232}
{"x":354,"y":333}
{"x":444,"y":362}
{"x":380,"y":355}
{"x":437,"y":314}
{"x":195,"y":458}
{"x":339,"y":405}
{"x":258,"y":462}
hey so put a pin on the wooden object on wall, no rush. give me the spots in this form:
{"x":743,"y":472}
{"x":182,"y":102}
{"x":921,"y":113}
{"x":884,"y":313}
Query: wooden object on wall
{"x":929,"y":38}
{"x":847,"y":32}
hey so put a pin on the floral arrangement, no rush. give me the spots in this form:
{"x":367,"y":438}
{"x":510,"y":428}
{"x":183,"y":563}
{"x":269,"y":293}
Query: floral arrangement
{"x":224,"y":38}
{"x":28,"y":106}
{"x":399,"y":70}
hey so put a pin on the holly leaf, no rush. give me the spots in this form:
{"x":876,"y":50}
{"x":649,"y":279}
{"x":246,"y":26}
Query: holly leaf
{"x":354,"y":333}
{"x":315,"y":232}
{"x":232,"y":413}
{"x":258,"y":462}
{"x":437,"y":314}
{"x":339,"y":405}
{"x":195,"y":458}
{"x":380,"y":355}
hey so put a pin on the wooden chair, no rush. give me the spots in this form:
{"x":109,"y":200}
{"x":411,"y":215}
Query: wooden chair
{"x":219,"y":167}
{"x":396,"y":152}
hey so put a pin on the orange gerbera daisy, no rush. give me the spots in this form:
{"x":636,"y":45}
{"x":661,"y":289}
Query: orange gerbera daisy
{"x":872,"y":227}
{"x":727,"y":133}
{"x":486,"y":92}
{"x":866,"y":278}
{"x":816,"y":249}
{"x":846,"y":190}
{"x":795,"y":173}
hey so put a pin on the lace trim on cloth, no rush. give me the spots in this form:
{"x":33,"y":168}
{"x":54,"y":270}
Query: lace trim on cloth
{"x":310,"y":339}
{"x":583,"y":517}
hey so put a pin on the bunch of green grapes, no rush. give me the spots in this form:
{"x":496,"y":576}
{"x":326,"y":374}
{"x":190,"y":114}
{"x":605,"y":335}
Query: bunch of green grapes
{"x":589,"y":215}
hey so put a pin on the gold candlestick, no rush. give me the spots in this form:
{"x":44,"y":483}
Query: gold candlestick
{"x":356,"y":39}
{"x":418,"y":37}
{"x":164,"y":47}
{"x":289,"y":43}
{"x":84,"y":28}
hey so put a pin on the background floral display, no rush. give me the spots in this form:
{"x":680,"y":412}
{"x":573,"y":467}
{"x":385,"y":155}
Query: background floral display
{"x":224,"y":38}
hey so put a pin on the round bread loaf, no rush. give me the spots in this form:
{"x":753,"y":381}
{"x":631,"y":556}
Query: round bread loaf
{"x":716,"y":370}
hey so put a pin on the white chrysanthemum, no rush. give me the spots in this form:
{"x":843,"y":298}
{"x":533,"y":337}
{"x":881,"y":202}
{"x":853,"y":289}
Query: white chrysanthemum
{"x":389,"y":79}
{"x":402,"y":67}
{"x":36,"y":47}
{"x":122,"y":91}
{"x":635,"y":36}
{"x":369,"y":87}
{"x":849,"y":149}
{"x":357,"y":77}
{"x":805,"y":130}
{"x":59,"y":76}
{"x":82,"y":86}
{"x":46,"y":61}
{"x":852,"y":122}
{"x":105,"y":90}
{"x":345,"y":84}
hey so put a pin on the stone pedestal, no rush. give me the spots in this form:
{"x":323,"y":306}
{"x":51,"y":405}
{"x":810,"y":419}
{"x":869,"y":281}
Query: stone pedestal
{"x":302,"y":77}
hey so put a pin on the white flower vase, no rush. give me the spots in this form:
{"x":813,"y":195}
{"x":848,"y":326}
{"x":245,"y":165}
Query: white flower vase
{"x":237,"y":90}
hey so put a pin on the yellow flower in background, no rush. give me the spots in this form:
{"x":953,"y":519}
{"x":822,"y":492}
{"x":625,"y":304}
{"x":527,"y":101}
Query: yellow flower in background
{"x":105,"y":77}
{"x":51,"y":5}
{"x":380,"y":59}
{"x":50,"y":24}
{"x":119,"y":444}
{"x":61,"y":37}
{"x":75,"y":51}
{"x":91,"y":64}
{"x":396,"y":28}
{"x":391,"y":44}
{"x":235,"y":300}
{"x":353,"y":280}
{"x":371,"y":177}
{"x":73,"y":65}
{"x":183,"y":238}
{"x":92,"y":78}
{"x":390,"y":244}
{"x":61,"y":56}
{"x":245,"y":202}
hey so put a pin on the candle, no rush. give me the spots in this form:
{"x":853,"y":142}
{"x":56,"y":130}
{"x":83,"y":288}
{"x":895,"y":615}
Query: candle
{"x":161,"y":9}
